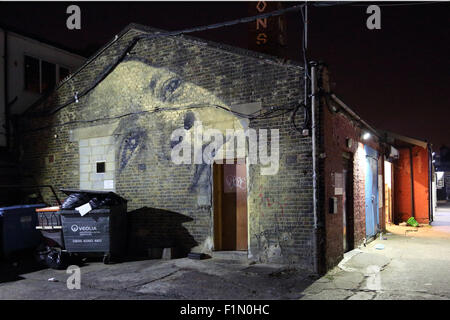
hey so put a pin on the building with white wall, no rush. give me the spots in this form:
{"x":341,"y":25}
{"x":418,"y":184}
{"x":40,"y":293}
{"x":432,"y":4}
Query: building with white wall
{"x":28,"y":69}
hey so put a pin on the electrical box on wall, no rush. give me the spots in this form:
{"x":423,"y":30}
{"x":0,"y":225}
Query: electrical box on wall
{"x":333,"y":205}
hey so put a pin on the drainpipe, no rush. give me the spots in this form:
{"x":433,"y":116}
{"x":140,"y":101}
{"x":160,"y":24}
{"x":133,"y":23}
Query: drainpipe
{"x":314,"y":160}
{"x":5,"y":74}
{"x":430,"y":183}
{"x":353,"y":114}
{"x":413,"y":213}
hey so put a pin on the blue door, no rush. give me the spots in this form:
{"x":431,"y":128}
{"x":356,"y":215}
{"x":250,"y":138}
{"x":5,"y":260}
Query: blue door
{"x":371,"y":187}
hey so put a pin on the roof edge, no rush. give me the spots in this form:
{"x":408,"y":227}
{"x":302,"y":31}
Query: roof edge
{"x":410,"y":140}
{"x":356,"y":116}
{"x":221,"y":46}
{"x":143,"y":28}
{"x":42,"y":40}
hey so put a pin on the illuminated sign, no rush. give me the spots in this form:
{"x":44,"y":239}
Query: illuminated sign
{"x":261,"y":24}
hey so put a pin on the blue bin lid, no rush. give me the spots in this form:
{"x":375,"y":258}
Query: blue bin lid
{"x":22,"y":206}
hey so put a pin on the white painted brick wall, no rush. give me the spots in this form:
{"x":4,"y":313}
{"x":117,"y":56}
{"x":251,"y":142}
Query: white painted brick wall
{"x":93,"y":150}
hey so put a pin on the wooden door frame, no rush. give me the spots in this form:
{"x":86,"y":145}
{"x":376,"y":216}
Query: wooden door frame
{"x":217,"y":204}
{"x":389,"y":218}
{"x":348,"y":162}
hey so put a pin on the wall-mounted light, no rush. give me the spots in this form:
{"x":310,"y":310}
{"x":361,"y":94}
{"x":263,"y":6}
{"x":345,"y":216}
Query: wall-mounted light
{"x":366,"y":136}
{"x":433,"y":154}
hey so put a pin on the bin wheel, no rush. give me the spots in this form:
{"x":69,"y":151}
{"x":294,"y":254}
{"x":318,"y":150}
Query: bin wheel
{"x":107,"y":258}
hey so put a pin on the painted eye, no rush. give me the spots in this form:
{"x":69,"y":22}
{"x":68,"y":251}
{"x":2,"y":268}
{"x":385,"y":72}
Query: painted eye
{"x":169,"y":88}
{"x":173,"y":85}
{"x":133,"y":143}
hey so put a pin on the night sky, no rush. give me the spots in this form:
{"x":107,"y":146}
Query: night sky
{"x":396,"y":78}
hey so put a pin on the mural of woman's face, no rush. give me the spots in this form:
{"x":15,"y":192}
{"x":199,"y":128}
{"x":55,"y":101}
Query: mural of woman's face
{"x":135,"y":86}
{"x":160,"y":101}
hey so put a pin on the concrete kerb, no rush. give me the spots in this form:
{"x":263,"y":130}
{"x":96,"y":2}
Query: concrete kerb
{"x":347,"y":256}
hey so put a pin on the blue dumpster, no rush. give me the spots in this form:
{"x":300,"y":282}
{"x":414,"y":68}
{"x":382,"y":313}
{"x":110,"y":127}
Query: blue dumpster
{"x":18,"y":228}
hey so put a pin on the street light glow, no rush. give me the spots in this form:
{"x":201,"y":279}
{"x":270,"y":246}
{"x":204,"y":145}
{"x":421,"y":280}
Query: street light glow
{"x":366,"y":136}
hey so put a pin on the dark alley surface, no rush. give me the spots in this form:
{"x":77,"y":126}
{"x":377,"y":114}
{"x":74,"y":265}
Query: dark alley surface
{"x":412,"y":265}
{"x":164,"y":279}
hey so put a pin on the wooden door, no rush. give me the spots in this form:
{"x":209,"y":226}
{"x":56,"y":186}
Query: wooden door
{"x":230,"y":207}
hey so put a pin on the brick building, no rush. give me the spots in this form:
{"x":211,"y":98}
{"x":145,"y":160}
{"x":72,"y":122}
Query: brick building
{"x":350,"y":160}
{"x":109,"y":126}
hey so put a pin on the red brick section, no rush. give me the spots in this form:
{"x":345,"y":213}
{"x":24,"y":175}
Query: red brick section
{"x":402,"y":188}
{"x":336,"y":128}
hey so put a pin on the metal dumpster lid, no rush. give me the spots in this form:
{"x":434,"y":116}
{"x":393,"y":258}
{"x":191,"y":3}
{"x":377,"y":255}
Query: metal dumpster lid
{"x":94,"y":193}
